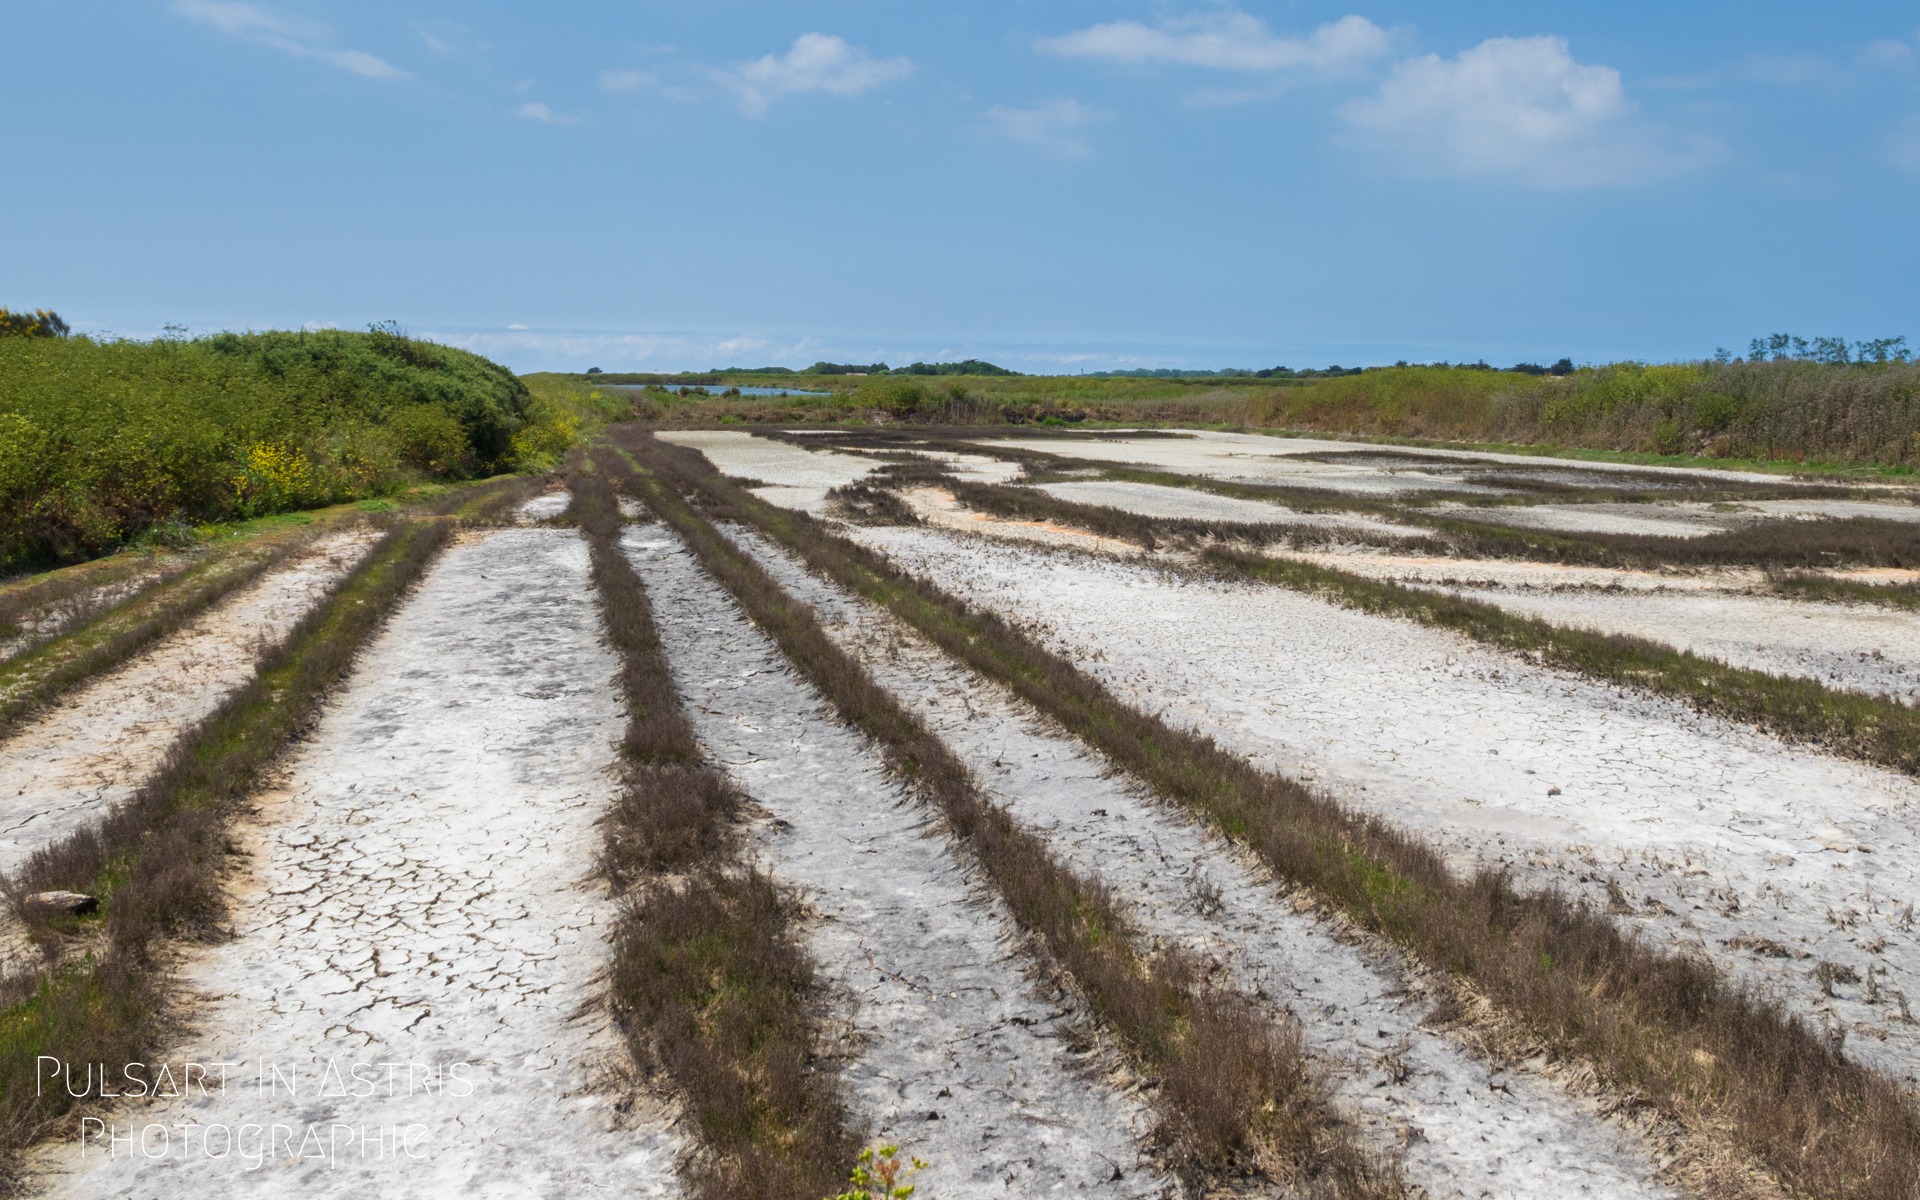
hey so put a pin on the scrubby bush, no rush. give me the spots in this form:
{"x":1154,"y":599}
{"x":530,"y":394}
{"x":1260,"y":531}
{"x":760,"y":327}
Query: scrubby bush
{"x":101,"y":440}
{"x":895,"y":395}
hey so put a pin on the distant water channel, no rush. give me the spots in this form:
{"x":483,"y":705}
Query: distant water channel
{"x":717,"y":390}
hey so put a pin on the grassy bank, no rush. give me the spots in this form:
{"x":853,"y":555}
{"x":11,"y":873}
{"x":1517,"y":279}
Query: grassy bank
{"x":1711,"y":1056}
{"x":101,"y":441}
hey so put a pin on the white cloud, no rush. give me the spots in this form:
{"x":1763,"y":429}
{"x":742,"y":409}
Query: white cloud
{"x":1903,"y":148}
{"x":1892,"y":52}
{"x":1786,"y":70}
{"x":817,"y":62}
{"x":1053,"y":125}
{"x":1521,"y":108}
{"x":1228,"y":41}
{"x":536,"y":111}
{"x":297,"y":36}
{"x":625,"y":81}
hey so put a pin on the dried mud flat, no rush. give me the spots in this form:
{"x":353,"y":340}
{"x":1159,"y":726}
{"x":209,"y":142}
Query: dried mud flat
{"x":794,"y":476}
{"x":1462,"y":1126}
{"x":70,"y":763}
{"x":1711,"y":837}
{"x":947,"y":1045}
{"x":413,"y":894}
{"x":414,"y":904}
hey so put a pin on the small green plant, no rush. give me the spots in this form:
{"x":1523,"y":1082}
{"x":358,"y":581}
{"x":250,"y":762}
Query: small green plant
{"x":880,"y":1175}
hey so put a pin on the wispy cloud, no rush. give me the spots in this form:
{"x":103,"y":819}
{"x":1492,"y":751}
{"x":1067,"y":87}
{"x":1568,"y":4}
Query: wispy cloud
{"x":1522,"y":109}
{"x":1786,"y":70}
{"x":817,"y":62}
{"x":297,"y":36}
{"x":1224,"y":41}
{"x":449,"y":38}
{"x":1903,"y":147}
{"x":1890,"y":52}
{"x":536,"y":111}
{"x":625,"y":80}
{"x":1055,"y":126}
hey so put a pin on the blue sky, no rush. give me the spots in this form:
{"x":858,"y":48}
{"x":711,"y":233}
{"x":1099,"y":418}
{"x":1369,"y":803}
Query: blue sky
{"x":1053,"y":185}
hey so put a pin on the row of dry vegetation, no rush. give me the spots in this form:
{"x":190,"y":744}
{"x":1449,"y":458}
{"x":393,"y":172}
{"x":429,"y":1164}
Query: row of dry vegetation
{"x":707,"y":982}
{"x":1774,"y":545}
{"x":1877,"y":729}
{"x":1236,"y":1092}
{"x":106,"y":631}
{"x":157,"y":862}
{"x":31,"y":679}
{"x":1708,"y":1053}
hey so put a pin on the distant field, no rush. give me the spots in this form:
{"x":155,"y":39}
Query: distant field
{"x":1795,"y":413}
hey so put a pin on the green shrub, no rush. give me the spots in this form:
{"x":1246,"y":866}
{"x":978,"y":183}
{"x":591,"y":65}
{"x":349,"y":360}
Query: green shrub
{"x":893,"y":395}
{"x":100,"y":440}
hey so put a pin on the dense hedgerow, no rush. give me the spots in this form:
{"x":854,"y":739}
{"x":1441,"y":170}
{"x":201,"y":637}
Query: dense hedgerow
{"x":102,"y":440}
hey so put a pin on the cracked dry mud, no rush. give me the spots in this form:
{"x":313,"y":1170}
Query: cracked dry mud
{"x":1464,"y":1127}
{"x":795,"y":476}
{"x":937,"y":1014}
{"x":1700,"y":833}
{"x":93,"y":747}
{"x":415,"y":893}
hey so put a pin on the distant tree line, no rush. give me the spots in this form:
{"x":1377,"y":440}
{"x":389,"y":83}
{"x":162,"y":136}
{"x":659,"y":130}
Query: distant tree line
{"x":1562,"y":367}
{"x":1834,"y":351}
{"x":970,"y":366}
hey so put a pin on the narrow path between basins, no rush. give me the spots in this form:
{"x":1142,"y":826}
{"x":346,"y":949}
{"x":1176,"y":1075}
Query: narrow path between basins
{"x":951,"y":1050}
{"x":1464,"y":1128}
{"x":68,"y":765}
{"x":1767,"y":857}
{"x":417,"y":895}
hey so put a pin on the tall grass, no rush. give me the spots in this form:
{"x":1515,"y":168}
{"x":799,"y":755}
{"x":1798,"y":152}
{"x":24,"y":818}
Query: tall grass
{"x":1791,"y":411}
{"x":102,"y":440}
{"x":1718,"y":1059}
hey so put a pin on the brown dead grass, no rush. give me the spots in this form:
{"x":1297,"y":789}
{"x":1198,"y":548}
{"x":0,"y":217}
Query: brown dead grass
{"x":708,"y":983}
